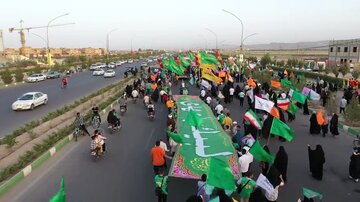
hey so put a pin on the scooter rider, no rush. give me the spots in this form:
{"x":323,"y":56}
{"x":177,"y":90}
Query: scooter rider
{"x":151,"y":108}
{"x":123,"y":101}
{"x":135,"y":94}
{"x":95,"y":111}
{"x":146,"y":100}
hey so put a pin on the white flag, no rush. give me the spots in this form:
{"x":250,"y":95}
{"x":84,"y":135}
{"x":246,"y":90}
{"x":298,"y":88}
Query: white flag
{"x":263,"y":104}
{"x":250,"y":94}
{"x":314,"y":95}
{"x":264,"y":183}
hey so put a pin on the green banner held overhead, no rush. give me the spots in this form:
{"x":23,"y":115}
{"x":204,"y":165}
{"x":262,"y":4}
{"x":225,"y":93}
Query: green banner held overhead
{"x":201,"y":138}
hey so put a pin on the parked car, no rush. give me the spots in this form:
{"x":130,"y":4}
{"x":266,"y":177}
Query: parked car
{"x":36,"y":78}
{"x":94,"y":67}
{"x":130,"y":61}
{"x":143,"y":64}
{"x":52,"y":75}
{"x":109,"y":73}
{"x":30,"y":100}
{"x":111,"y":65}
{"x":98,"y":72}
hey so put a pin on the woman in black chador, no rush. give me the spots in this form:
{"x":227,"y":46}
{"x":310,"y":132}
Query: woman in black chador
{"x":305,"y":108}
{"x":334,"y":124}
{"x":317,"y":160}
{"x":281,"y":162}
{"x":314,"y":126}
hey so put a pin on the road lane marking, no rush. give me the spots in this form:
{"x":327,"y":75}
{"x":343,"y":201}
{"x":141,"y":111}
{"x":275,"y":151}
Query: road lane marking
{"x":150,"y":137}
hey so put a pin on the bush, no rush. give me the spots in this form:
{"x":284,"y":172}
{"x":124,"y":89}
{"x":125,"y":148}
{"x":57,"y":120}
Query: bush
{"x":355,"y":74}
{"x":265,"y":60}
{"x":19,"y":75}
{"x":344,"y":70}
{"x":335,"y":71}
{"x":352,"y":115}
{"x":7,"y":77}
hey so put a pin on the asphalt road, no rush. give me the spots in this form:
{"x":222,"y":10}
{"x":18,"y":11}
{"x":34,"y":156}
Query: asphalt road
{"x":125,"y":173}
{"x":80,"y":84}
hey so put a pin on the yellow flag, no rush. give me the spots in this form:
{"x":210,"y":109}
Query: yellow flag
{"x":207,"y":74}
{"x":207,"y":66}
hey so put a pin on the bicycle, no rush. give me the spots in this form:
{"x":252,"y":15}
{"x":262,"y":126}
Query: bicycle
{"x":95,"y":122}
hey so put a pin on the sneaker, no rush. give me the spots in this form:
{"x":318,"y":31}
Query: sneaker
{"x":356,"y":180}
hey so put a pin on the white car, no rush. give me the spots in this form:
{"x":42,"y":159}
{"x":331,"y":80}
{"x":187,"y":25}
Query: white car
{"x":130,"y":61}
{"x":94,"y":67}
{"x":111,"y":65}
{"x":30,"y":100}
{"x":109,"y":73}
{"x":98,"y":72}
{"x":36,"y":78}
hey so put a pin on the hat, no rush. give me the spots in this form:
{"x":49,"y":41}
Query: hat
{"x":234,"y":122}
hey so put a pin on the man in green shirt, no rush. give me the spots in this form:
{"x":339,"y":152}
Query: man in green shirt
{"x":221,"y":118}
{"x":161,"y":181}
{"x":248,"y":185}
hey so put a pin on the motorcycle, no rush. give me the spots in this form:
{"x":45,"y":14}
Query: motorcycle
{"x":151,"y":115}
{"x":96,"y":154}
{"x":113,"y":128}
{"x":123,"y":109}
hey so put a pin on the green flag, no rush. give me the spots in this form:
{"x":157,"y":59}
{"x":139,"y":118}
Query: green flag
{"x":311,"y":194}
{"x":220,"y":175}
{"x":280,"y":128}
{"x":184,"y":62}
{"x":193,"y":119}
{"x":260,"y":154}
{"x":176,"y":137}
{"x":285,"y":82}
{"x":292,"y":108}
{"x":294,"y":88}
{"x":191,"y":56}
{"x":60,"y":196}
{"x":208,"y":59}
{"x":298,"y":97}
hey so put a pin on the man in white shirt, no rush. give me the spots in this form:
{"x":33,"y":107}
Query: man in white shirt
{"x":231,"y":92}
{"x":343,"y":103}
{"x":208,"y":100}
{"x":162,"y":92}
{"x":245,"y":160}
{"x":241,"y":96}
{"x":163,"y":145}
{"x":219,"y":108}
{"x":202,"y":94}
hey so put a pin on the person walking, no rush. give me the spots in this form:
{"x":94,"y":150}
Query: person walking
{"x":343,"y":103}
{"x":247,"y":186}
{"x":314,"y":126}
{"x":281,"y":162}
{"x":201,"y":191}
{"x":158,"y":156}
{"x":354,"y":166}
{"x":245,"y":160}
{"x":334,"y":124}
{"x":241,"y":98}
{"x":316,"y":161}
{"x":161,"y":181}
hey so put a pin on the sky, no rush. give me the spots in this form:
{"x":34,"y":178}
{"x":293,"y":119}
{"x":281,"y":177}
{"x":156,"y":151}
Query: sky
{"x":179,"y":24}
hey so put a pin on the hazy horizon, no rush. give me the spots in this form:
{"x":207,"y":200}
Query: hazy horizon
{"x":162,"y":24}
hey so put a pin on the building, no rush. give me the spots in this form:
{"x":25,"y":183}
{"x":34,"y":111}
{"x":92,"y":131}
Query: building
{"x":1,"y":42}
{"x":344,"y":51}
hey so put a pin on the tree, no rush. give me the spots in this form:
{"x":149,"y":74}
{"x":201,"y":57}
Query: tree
{"x":352,"y":110}
{"x":265,"y":60}
{"x":301,"y":63}
{"x":6,"y":76}
{"x":344,"y":70}
{"x":252,"y":59}
{"x":19,"y":75}
{"x":331,"y":106}
{"x":335,"y":71}
{"x":355,"y":74}
{"x":281,"y":63}
{"x":327,"y":70}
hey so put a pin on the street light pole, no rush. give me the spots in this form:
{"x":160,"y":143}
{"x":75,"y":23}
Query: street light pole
{"x":242,"y":27}
{"x":250,"y":35}
{"x":216,"y":38}
{"x":47,"y":28}
{"x":47,"y":36}
{"x":107,"y":39}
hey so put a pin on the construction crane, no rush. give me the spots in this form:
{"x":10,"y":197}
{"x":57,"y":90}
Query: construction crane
{"x":21,"y":30}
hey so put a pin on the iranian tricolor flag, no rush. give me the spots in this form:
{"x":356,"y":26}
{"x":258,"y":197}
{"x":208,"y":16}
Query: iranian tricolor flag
{"x":253,"y":119}
{"x":283,"y":103}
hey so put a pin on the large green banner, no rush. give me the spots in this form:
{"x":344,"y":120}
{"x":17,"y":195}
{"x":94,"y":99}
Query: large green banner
{"x":202,"y":143}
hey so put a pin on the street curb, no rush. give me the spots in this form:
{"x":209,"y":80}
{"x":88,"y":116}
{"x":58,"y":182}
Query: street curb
{"x":349,"y":129}
{"x":8,"y":184}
